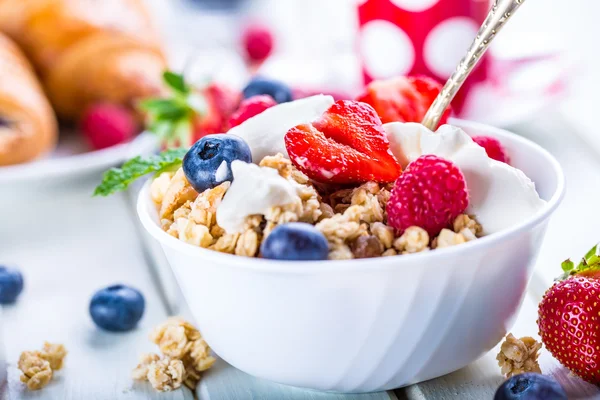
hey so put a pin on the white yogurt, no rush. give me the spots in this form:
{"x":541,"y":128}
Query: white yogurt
{"x":254,"y":190}
{"x":500,"y":196}
{"x":265,"y":132}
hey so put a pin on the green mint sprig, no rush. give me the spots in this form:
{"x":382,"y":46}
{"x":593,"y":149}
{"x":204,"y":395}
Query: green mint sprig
{"x":171,"y":118}
{"x":119,"y":179}
{"x":589,"y":263}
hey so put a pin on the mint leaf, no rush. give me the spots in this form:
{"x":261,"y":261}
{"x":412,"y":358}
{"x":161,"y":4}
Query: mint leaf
{"x":176,"y":82}
{"x":118,"y":179}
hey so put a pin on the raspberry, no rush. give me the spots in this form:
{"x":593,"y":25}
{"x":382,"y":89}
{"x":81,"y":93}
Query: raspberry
{"x":258,"y":42}
{"x":105,"y":125}
{"x":493,"y":148}
{"x":429,"y":194}
{"x":250,"y":108}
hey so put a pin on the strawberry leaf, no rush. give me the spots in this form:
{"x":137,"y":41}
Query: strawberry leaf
{"x":567,"y":266}
{"x":119,"y":179}
{"x":176,"y":82}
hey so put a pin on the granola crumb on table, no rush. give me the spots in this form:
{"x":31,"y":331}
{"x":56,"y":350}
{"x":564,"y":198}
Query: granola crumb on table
{"x":38,"y":366}
{"x":184,"y":356}
{"x":517,"y":356}
{"x":343,"y":216}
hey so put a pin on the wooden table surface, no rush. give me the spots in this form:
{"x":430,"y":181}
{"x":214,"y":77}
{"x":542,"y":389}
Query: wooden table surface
{"x":69,"y":244}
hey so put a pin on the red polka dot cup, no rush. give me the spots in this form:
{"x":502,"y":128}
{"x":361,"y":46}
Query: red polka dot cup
{"x":419,"y":37}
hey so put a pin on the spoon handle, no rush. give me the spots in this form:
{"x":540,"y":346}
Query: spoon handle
{"x":499,"y":14}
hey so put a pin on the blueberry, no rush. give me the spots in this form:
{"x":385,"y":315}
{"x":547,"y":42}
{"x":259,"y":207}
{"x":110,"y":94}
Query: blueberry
{"x":208,"y":163}
{"x":117,"y":308}
{"x":279,"y":91}
{"x":530,"y":386}
{"x":11,"y":284}
{"x":295,"y":241}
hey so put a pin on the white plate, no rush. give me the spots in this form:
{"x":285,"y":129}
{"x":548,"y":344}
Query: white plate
{"x":71,"y":159}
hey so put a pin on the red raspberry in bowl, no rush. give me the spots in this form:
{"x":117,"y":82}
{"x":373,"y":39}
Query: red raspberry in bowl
{"x":493,"y":148}
{"x":430,"y":194}
{"x":250,"y":108}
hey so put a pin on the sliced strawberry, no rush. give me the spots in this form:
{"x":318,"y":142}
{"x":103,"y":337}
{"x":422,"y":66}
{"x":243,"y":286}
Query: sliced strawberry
{"x":346,"y":145}
{"x":403,"y":99}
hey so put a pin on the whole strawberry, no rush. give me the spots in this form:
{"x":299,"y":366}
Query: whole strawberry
{"x":105,"y":125}
{"x":250,"y":108}
{"x":430,"y":194}
{"x":569,"y":318}
{"x":493,"y":148}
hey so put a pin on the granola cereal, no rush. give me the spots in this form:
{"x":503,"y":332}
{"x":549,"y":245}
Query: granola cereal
{"x":140,"y":373}
{"x":37,"y":372}
{"x":465,"y":222}
{"x":173,"y":337}
{"x":342,"y":215}
{"x":519,"y":355}
{"x":447,"y":238}
{"x":384,"y":233}
{"x":54,"y":354}
{"x":366,"y":246}
{"x":185,"y":355}
{"x":159,"y":186}
{"x":166,"y":374}
{"x":413,"y":240}
{"x":178,"y":192}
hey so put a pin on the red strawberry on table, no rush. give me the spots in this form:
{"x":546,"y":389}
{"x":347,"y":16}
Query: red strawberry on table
{"x":346,"y":145}
{"x":403,"y":99}
{"x":569,"y":318}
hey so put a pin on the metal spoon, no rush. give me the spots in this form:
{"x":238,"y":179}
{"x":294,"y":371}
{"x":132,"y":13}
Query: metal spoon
{"x":499,"y":14}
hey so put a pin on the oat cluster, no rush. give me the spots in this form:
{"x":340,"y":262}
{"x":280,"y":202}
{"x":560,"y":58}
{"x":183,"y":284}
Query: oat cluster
{"x":184,"y":356}
{"x":38,"y":366}
{"x":353,"y":220}
{"x":517,"y":356}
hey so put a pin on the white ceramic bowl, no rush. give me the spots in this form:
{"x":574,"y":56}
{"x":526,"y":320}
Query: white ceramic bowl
{"x":371,"y":324}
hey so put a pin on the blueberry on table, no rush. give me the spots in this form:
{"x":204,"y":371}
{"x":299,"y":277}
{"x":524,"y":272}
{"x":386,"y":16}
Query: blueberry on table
{"x":530,"y":386}
{"x":208,"y":163}
{"x":277,"y":90}
{"x":117,"y":308}
{"x":295,"y":241}
{"x":11,"y":284}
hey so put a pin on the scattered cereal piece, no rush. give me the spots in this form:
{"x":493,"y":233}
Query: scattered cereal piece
{"x":199,"y":355}
{"x":37,"y":372}
{"x":413,"y":240}
{"x":367,"y":246}
{"x":389,"y":252}
{"x":54,"y":354}
{"x":447,"y":238}
{"x":166,"y":374}
{"x":140,"y":373}
{"x":173,"y":336}
{"x":519,"y":355}
{"x":185,"y":355}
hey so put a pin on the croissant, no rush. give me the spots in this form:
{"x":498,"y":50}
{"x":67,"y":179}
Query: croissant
{"x":28,"y":127}
{"x":87,"y":51}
